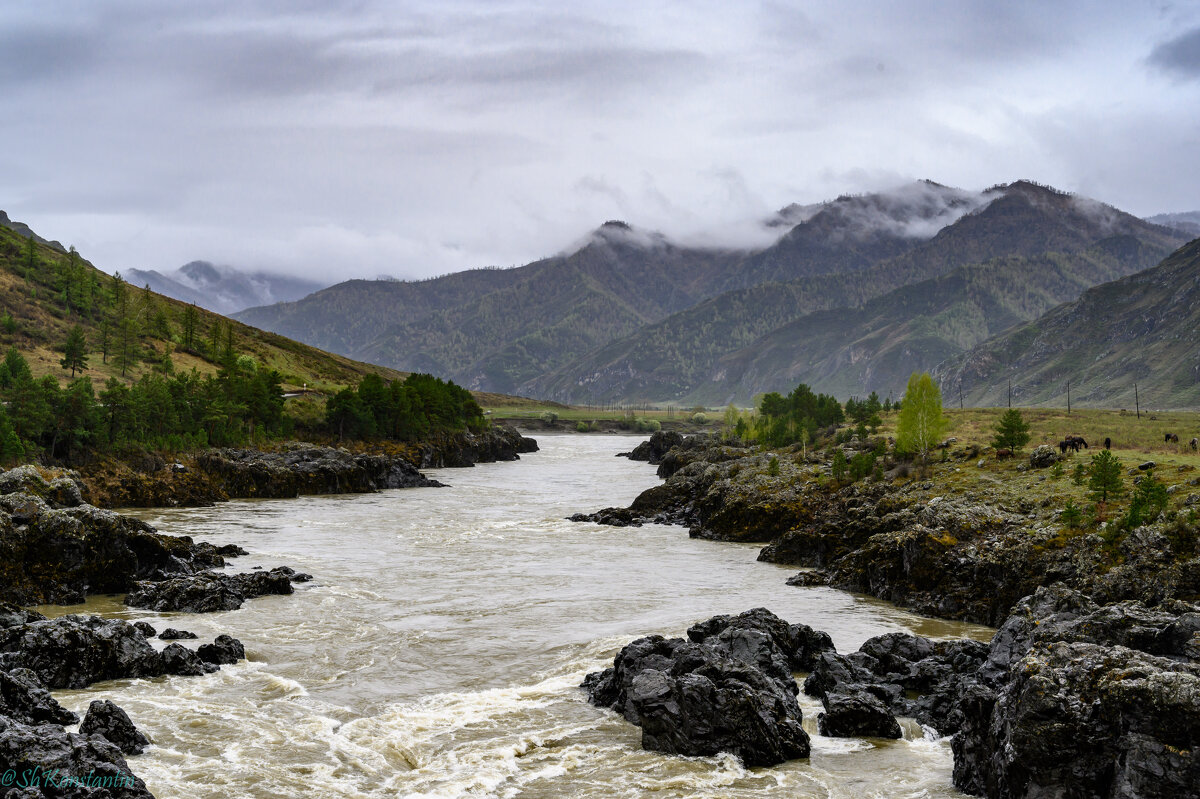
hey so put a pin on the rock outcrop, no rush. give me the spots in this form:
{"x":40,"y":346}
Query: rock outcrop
{"x":654,"y":448}
{"x":111,"y":723}
{"x":730,"y":691}
{"x":208,"y":592}
{"x":296,"y":468}
{"x":76,"y":651}
{"x":51,"y":554}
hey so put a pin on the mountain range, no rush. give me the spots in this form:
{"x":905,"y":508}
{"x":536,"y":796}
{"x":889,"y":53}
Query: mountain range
{"x":1140,"y":330}
{"x":223,"y":289}
{"x":851,"y":297}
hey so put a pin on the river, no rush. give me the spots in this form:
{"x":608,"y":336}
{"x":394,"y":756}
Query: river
{"x":439,"y":649}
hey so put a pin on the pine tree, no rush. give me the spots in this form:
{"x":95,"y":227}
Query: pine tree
{"x":75,"y":351}
{"x":31,"y":260}
{"x":920,"y":425}
{"x":190,"y":319}
{"x":105,"y":339}
{"x":1012,"y":432}
{"x":1104,"y":477}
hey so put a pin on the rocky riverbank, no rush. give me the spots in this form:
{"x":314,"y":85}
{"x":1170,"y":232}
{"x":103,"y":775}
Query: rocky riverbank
{"x":1090,"y":688}
{"x":1070,"y":698}
{"x":54,"y":548}
{"x":292,"y":469}
{"x":923,"y":544}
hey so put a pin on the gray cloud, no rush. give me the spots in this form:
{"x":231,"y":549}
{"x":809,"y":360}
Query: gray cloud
{"x":1179,"y":56}
{"x":357,"y":138}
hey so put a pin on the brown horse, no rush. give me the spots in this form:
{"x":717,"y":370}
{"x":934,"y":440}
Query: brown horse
{"x":1171,"y":438}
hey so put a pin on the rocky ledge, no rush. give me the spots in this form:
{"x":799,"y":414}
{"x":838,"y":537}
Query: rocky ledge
{"x":1070,"y":698}
{"x":967,"y":556}
{"x":293,"y":469}
{"x":39,"y":654}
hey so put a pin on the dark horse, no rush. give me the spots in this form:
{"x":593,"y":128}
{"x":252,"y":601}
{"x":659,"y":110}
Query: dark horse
{"x":1108,"y":443}
{"x":1194,"y":442}
{"x":1171,"y":438}
{"x":1072,"y":443}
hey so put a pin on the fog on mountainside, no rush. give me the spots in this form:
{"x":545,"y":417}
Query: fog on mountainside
{"x":223,"y":289}
{"x":627,"y":314}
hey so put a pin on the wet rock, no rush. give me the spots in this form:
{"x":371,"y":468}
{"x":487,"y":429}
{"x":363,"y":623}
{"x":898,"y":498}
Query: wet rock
{"x":48,"y":749}
{"x":171,"y":634}
{"x":209,"y":592}
{"x":1043,"y":457}
{"x":653,"y":449}
{"x":13,"y":615}
{"x":76,"y":651}
{"x":231,"y":551}
{"x":110,"y":722}
{"x":1147,"y":466}
{"x":1082,"y":719}
{"x":225,"y":650}
{"x":24,"y":699}
{"x":61,"y":555}
{"x":799,"y":643}
{"x":732,"y":692}
{"x":179,"y":660}
{"x":145,"y":628}
{"x":856,"y":714}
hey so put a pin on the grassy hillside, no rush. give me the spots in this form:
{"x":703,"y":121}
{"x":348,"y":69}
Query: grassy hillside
{"x":36,"y":316}
{"x":853,"y":351}
{"x":496,"y":329}
{"x":1141,"y":329}
{"x":674,"y":359}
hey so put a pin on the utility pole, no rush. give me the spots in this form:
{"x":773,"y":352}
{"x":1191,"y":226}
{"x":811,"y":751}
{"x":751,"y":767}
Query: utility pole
{"x":1010,"y":393}
{"x":1068,"y":398}
{"x":960,"y":401}
{"x":1136,"y":405}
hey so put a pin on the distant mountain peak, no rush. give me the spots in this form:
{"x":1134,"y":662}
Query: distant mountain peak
{"x":224,"y":289}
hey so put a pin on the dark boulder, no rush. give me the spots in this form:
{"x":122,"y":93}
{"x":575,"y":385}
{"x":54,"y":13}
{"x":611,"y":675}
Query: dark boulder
{"x":800,"y":643}
{"x":171,"y":634}
{"x":178,"y":659}
{"x":110,"y":722}
{"x":208,"y":592}
{"x":24,"y":699}
{"x":657,"y":446}
{"x":856,"y":714}
{"x":225,"y":650}
{"x":48,"y":749}
{"x":75,"y":651}
{"x":695,"y":699}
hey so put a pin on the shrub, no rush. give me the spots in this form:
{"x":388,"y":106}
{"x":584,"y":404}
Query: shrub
{"x":1079,"y":475}
{"x":549,"y":417}
{"x":582,"y":427}
{"x":1072,"y":515}
{"x":773,"y":466}
{"x":839,"y":464}
{"x":699,"y":418}
{"x":1149,"y":499}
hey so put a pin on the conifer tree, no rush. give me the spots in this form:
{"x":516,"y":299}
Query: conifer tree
{"x":1104,"y":476}
{"x":1012,"y":431}
{"x":75,"y":351}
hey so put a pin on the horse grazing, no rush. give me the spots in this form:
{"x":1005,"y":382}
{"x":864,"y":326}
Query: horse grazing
{"x":1194,"y":442}
{"x":1003,"y":453}
{"x":1072,"y":443}
{"x":1171,"y":438}
{"x":1108,"y":443}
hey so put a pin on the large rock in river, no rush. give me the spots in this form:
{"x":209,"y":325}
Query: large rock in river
{"x":731,"y":692}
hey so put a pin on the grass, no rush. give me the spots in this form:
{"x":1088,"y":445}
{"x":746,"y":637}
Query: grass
{"x":1135,"y":441}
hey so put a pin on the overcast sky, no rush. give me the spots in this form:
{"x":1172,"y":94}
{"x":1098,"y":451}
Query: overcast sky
{"x":338,"y":140}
